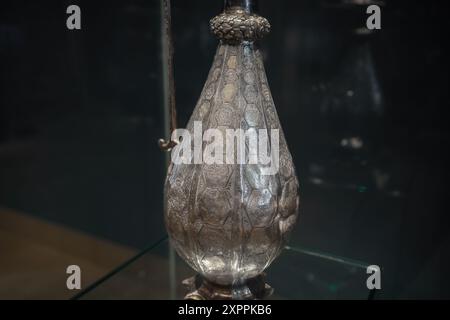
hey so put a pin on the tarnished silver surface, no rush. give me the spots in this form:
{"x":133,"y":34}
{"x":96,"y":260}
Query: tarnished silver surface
{"x":229,"y":222}
{"x":202,"y":289}
{"x":236,"y":25}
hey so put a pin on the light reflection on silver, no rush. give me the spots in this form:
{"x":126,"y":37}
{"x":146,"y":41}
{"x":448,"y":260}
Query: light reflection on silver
{"x":229,"y":222}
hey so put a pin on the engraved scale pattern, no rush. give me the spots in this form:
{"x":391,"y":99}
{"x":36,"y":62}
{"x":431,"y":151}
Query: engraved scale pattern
{"x":228,"y":221}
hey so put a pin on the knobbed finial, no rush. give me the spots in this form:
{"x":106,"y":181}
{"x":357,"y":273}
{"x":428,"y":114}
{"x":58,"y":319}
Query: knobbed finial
{"x":238,"y":23}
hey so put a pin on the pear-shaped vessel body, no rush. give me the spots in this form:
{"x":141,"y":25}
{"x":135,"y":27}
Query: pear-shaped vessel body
{"x":230,"y":221}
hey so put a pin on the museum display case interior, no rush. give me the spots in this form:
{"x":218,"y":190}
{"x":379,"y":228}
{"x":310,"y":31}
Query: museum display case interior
{"x":363,"y":143}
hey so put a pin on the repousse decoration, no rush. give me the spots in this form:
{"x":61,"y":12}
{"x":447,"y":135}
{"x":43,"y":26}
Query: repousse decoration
{"x":229,"y":221}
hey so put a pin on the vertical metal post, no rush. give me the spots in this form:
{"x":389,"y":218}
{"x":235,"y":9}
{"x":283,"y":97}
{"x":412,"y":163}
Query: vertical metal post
{"x":169,"y":103}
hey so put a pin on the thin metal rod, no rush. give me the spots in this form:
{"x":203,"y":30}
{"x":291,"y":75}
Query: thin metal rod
{"x":170,"y":115}
{"x":168,"y":74}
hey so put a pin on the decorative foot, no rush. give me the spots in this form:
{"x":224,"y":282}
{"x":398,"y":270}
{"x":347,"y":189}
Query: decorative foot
{"x":201,"y":289}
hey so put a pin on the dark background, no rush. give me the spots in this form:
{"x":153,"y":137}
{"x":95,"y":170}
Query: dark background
{"x":364,"y":116}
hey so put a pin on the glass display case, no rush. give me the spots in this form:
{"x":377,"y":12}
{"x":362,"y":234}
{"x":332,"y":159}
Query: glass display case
{"x":82,"y":175}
